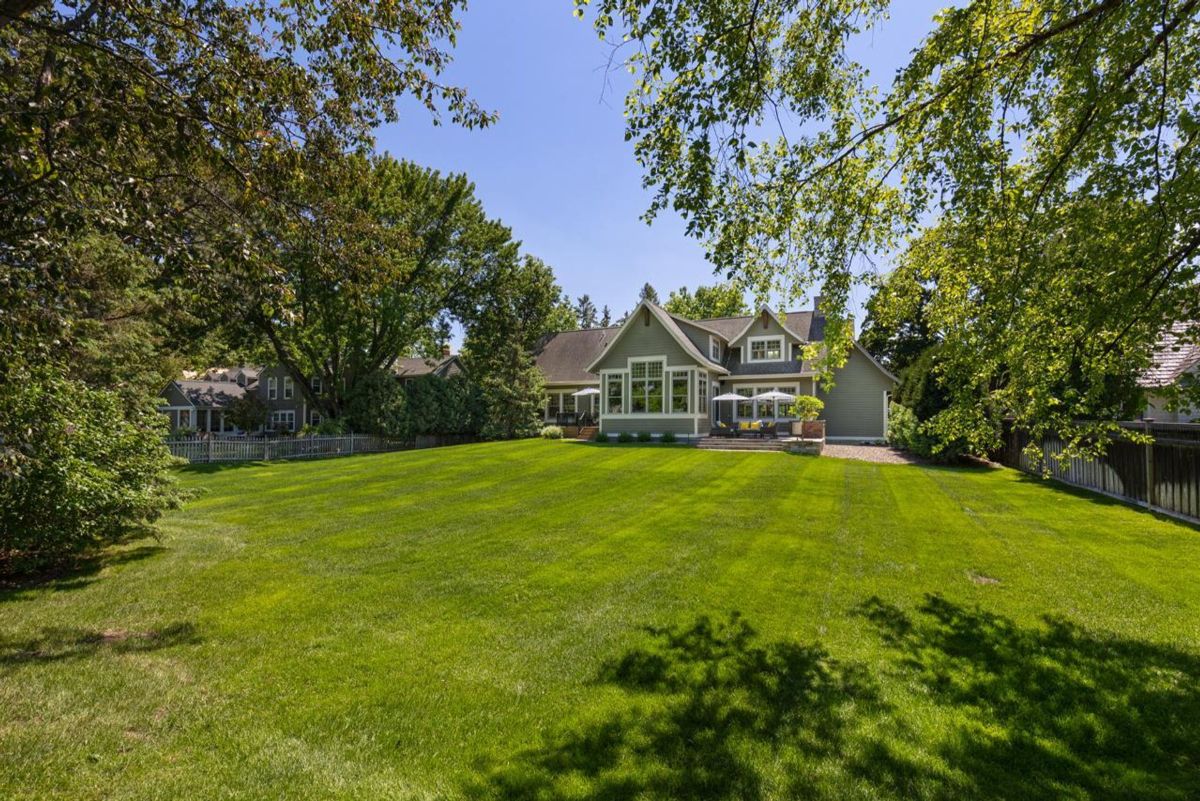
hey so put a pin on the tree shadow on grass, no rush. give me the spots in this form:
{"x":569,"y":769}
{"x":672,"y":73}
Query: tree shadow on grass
{"x":1048,"y":711}
{"x":704,"y":700}
{"x":980,"y":708}
{"x":58,"y":644}
{"x":75,"y":574}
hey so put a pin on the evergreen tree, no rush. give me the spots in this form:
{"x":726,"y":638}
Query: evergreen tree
{"x":648,"y":293}
{"x":605,"y":317}
{"x":585,"y":311}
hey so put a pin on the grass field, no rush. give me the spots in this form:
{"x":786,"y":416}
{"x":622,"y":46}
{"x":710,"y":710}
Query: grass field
{"x":555,"y":620}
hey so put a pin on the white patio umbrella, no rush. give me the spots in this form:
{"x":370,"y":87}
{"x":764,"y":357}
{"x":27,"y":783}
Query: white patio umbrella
{"x":771,"y":397}
{"x":584,"y":392}
{"x":731,"y":396}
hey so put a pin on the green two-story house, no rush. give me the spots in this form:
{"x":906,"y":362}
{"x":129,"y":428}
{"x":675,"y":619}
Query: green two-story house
{"x":658,"y":372}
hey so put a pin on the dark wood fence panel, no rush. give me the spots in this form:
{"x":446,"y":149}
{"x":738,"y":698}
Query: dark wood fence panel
{"x":1164,"y":475}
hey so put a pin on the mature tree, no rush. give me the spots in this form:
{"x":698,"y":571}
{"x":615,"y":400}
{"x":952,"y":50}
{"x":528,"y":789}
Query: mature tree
{"x":142,"y":146}
{"x":605,"y":317}
{"x":1031,"y":129}
{"x":166,"y":125}
{"x":585,"y":312}
{"x":248,"y":412}
{"x":648,"y":293}
{"x":895,"y":330}
{"x":719,"y":300}
{"x":390,"y":251}
{"x":522,"y":307}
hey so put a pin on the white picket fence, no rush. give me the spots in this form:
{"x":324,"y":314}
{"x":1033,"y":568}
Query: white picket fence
{"x":264,"y":450}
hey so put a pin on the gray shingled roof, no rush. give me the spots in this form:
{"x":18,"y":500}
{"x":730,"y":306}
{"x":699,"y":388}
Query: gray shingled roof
{"x":799,"y":323}
{"x":564,"y":357}
{"x":218,"y":394}
{"x":1174,"y":355}
{"x":411,"y":367}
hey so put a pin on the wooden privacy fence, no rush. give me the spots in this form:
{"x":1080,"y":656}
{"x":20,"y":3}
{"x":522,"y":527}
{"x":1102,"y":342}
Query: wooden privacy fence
{"x":215,"y":449}
{"x":1164,"y":475}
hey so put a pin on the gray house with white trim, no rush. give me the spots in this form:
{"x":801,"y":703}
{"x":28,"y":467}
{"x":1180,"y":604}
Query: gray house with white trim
{"x":657,"y":372}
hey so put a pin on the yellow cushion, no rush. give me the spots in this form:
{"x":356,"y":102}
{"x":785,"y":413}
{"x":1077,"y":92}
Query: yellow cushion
{"x":744,"y":425}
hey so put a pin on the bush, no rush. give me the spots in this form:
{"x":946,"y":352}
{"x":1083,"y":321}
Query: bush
{"x":807,"y":407}
{"x":645,"y":436}
{"x":600,"y":436}
{"x":668,"y":438}
{"x":80,"y":468}
{"x":331,"y":427}
{"x":624,"y":436}
{"x":551,"y":432}
{"x":907,"y":433}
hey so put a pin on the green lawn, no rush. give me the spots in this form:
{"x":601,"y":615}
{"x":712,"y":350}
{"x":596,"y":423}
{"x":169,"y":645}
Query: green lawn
{"x":556,"y":620}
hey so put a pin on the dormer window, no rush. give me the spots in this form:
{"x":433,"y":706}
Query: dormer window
{"x":766,"y":349}
{"x":714,"y":349}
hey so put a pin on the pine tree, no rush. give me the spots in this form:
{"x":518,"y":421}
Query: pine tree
{"x":605,"y":317}
{"x":648,"y":293}
{"x":585,"y":311}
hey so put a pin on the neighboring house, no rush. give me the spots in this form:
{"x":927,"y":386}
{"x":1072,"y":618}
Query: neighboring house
{"x":199,"y":401}
{"x":447,"y":365}
{"x":1175,"y":359}
{"x":657,"y":372}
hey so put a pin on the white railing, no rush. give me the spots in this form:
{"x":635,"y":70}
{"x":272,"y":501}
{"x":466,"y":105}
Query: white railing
{"x":215,"y":449}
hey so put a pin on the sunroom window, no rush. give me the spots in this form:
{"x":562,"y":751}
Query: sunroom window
{"x":613,"y":394}
{"x":646,"y":387}
{"x":679,"y":393}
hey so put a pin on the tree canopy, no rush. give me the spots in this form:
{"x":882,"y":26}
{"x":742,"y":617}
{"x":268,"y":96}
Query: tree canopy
{"x":1052,"y":146}
{"x":719,"y":300}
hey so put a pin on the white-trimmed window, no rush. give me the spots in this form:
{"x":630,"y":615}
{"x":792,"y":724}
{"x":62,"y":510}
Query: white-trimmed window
{"x":289,"y":391}
{"x":284,"y":420}
{"x":766,"y":349}
{"x":315,"y":384}
{"x":314,"y":418}
{"x":614,"y":401}
{"x":745,"y":409}
{"x":272,"y":388}
{"x":646,"y":387}
{"x":679,"y":392}
{"x":553,"y":405}
{"x":702,"y":393}
{"x":714,"y":349}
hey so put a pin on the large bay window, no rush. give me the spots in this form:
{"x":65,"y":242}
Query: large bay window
{"x":553,"y":407}
{"x":613,"y":392}
{"x":766,"y":349}
{"x":679,"y":392}
{"x":645,"y":387}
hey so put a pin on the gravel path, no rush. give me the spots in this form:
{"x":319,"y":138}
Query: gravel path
{"x":869,"y":453}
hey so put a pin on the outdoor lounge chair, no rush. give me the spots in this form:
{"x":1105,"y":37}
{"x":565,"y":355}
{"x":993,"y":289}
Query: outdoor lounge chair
{"x":722,"y":430}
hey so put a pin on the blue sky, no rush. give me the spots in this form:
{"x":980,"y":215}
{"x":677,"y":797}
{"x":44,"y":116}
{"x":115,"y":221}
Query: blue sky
{"x":556,"y":167}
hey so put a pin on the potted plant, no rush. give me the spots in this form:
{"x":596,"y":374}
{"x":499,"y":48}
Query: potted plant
{"x":806,"y":408}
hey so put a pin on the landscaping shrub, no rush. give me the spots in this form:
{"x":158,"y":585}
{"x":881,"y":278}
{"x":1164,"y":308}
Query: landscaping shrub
{"x":600,"y":436}
{"x":920,"y":438}
{"x":645,"y":436}
{"x":807,"y":407}
{"x":79,"y":468}
{"x":668,"y":438}
{"x":624,"y":436}
{"x":551,"y":432}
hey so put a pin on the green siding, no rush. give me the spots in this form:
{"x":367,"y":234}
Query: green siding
{"x":854,"y":407}
{"x":644,"y":340}
{"x":682,"y":424}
